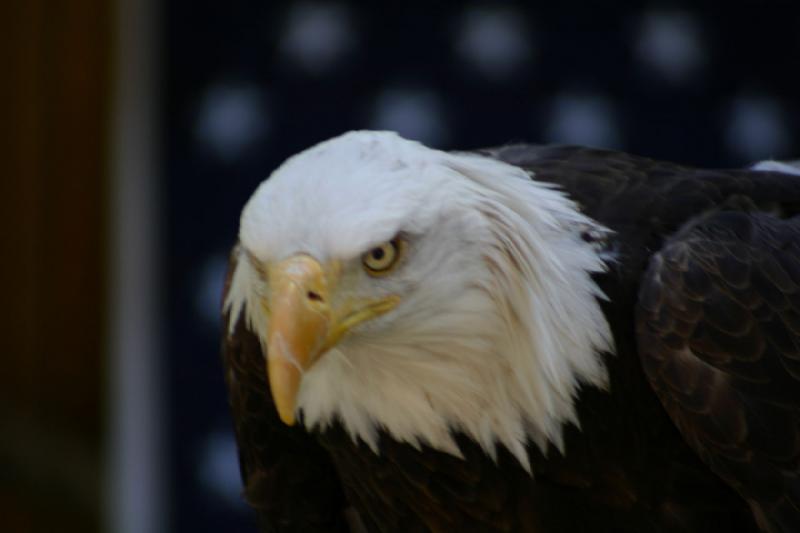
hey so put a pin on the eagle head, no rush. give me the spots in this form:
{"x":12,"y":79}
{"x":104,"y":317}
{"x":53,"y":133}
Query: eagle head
{"x":399,"y":288}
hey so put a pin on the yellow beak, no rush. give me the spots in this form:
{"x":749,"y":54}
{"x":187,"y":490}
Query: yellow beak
{"x":302,"y":324}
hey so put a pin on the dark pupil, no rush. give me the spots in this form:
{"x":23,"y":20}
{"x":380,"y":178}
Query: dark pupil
{"x":377,"y":254}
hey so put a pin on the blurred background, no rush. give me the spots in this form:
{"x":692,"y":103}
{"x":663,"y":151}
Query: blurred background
{"x":138,"y":129}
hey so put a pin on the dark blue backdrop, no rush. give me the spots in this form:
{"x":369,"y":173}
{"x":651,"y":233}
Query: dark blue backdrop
{"x":250,"y":83}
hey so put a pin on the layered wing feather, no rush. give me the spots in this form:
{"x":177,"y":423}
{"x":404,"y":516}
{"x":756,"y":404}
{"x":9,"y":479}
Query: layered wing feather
{"x":718,"y":325}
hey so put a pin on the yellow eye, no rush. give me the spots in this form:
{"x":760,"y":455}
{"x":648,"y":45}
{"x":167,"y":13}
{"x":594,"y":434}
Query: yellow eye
{"x":381,"y":259}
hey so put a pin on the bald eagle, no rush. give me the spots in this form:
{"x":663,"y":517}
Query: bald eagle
{"x":526,"y":338}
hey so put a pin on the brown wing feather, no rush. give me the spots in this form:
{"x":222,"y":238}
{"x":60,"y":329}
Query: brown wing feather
{"x":719,"y":335}
{"x":288,"y":477}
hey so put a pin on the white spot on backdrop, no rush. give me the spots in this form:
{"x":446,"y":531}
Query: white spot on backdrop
{"x":413,"y":113}
{"x":494,"y":41}
{"x":209,"y":284}
{"x":757,"y":128}
{"x":218,"y":468}
{"x":231,"y":119}
{"x":586,"y":119}
{"x":671,"y":44}
{"x":317,"y":36}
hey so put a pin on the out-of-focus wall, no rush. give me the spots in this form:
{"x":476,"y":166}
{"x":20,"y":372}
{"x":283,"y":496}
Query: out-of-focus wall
{"x":55,"y":93}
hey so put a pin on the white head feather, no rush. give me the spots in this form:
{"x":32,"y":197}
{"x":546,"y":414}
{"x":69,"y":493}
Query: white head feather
{"x":499,"y":322}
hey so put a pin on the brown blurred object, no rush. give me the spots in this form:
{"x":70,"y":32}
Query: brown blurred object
{"x":56,"y":90}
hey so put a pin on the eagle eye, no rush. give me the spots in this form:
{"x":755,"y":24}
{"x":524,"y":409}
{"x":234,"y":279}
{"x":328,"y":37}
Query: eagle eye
{"x":382,"y":259}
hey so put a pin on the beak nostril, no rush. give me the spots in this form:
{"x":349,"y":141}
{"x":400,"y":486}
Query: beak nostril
{"x":314,"y":296}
